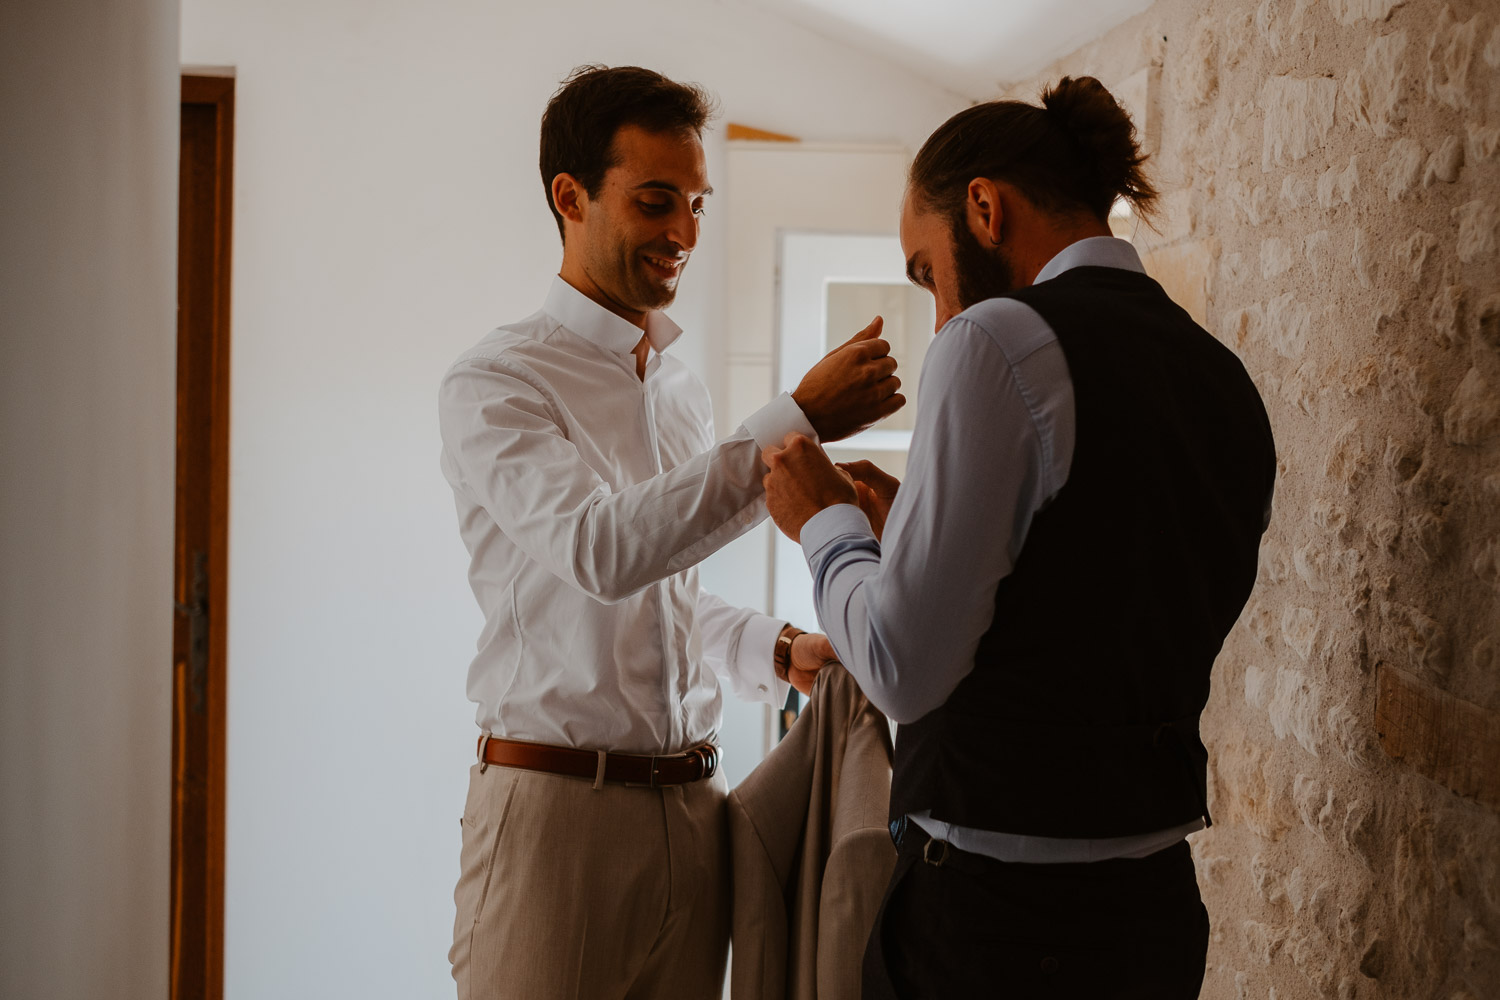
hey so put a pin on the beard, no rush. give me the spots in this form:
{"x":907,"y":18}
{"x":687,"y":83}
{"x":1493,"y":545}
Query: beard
{"x":982,"y":272}
{"x":631,"y":281}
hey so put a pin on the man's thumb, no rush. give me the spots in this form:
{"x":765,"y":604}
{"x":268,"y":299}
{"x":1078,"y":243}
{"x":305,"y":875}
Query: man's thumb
{"x":870,"y":332}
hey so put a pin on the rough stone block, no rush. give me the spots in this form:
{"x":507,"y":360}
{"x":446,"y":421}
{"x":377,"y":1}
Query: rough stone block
{"x":1295,"y":710}
{"x":1239,"y":22}
{"x":1299,"y":629}
{"x":1348,"y":12}
{"x":1403,"y":459}
{"x":1427,"y":535}
{"x":1360,"y":832}
{"x":1262,"y":943}
{"x":1266,"y":880}
{"x":1261,"y":624}
{"x":1347,"y":458}
{"x":1445,"y":314}
{"x":1252,"y":205}
{"x":1478,"y":222}
{"x":1311,"y":563}
{"x":1243,"y":793}
{"x":1298,"y":117}
{"x":1376,"y":92}
{"x":1450,"y":741}
{"x":1383,"y":534}
{"x":1450,"y":53}
{"x":1483,"y":141}
{"x":1296,"y":192}
{"x":1348,"y":736}
{"x":1413,"y":252}
{"x":1329,"y":517}
{"x":1200,"y":65}
{"x":1474,"y":416}
{"x":1402,"y":169}
{"x":1337,"y":186}
{"x":1275,"y":258}
{"x":1445,"y":163}
{"x":1487,"y":321}
{"x":1416,"y":639}
{"x":1315,"y":806}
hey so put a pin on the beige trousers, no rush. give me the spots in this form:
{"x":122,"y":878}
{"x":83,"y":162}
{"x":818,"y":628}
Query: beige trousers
{"x":568,"y":892}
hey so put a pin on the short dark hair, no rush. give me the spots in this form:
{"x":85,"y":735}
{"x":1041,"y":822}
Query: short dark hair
{"x":1075,"y":153}
{"x":594,"y":103}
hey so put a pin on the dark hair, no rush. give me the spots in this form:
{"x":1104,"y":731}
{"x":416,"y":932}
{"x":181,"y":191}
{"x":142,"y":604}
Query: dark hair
{"x":1077,"y":152}
{"x":595,"y":102}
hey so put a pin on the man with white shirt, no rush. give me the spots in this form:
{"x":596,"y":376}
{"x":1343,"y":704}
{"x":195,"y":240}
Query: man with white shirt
{"x":1040,"y":603}
{"x":588,"y":486}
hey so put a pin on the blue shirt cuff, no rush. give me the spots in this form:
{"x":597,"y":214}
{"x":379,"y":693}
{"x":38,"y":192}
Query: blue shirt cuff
{"x":832,"y":523}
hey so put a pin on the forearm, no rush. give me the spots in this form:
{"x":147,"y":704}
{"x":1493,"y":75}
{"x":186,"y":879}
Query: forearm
{"x":906,"y":650}
{"x":738,"y":646}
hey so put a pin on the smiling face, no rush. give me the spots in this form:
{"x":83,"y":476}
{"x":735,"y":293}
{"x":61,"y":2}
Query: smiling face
{"x":946,"y":257}
{"x":631,"y":241}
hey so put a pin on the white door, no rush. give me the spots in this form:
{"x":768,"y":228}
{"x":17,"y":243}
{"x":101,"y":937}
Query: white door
{"x":832,"y":286}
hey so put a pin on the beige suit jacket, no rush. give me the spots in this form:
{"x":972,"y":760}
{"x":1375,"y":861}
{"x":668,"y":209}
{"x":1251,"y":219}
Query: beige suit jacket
{"x":811,"y":851}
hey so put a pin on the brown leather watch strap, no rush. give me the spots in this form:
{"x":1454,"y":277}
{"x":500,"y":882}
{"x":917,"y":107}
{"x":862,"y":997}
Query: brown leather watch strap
{"x":636,"y":769}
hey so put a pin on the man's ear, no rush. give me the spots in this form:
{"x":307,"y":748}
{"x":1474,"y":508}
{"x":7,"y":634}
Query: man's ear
{"x":985,"y":213}
{"x":569,"y":197}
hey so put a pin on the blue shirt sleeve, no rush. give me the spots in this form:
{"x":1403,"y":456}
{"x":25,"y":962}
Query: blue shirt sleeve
{"x":992,"y":445}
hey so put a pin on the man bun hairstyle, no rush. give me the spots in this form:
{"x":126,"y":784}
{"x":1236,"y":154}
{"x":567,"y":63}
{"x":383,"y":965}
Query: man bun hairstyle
{"x":594,"y":102}
{"x":1075,"y":153}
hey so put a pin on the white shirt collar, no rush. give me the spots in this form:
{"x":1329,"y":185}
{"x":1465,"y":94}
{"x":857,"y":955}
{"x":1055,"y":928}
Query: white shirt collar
{"x":1095,"y":251}
{"x":596,"y":324}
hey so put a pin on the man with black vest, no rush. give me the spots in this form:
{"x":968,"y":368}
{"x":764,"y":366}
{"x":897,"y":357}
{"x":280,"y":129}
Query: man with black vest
{"x":1040,"y":605}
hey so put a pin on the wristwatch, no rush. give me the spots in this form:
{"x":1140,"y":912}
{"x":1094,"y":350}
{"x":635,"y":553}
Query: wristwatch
{"x":781,"y":655}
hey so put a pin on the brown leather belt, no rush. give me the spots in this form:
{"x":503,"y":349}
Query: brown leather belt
{"x":636,"y":769}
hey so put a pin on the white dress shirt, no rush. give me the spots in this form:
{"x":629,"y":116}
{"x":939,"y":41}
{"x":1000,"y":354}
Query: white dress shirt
{"x":992,"y":445}
{"x":586,"y":497}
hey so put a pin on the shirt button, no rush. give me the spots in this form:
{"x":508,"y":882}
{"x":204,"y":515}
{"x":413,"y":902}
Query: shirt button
{"x":761,"y":687}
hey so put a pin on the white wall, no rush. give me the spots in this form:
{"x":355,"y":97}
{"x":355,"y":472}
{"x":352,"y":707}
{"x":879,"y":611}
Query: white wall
{"x":388,"y":213}
{"x":88,"y":180}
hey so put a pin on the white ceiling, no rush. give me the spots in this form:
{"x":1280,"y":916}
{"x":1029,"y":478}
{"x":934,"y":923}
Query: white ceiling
{"x":972,"y":47}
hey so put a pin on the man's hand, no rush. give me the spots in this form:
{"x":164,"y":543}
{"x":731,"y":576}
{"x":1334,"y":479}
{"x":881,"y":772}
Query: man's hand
{"x":875,"y":489}
{"x":852,"y":387}
{"x":811,"y":652}
{"x":802,"y":481}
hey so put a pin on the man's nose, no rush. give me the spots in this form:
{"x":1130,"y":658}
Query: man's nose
{"x":683,"y":230}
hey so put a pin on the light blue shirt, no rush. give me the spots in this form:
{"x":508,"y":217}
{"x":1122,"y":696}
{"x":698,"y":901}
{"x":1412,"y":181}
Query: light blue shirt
{"x":992,"y":446}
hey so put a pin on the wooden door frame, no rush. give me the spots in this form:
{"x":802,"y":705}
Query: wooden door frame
{"x":198,"y":717}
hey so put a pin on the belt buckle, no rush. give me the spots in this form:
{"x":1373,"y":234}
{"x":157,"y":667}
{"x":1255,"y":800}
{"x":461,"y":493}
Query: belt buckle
{"x":708,"y":760}
{"x":938,"y":858}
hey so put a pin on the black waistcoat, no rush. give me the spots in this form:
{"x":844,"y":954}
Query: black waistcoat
{"x":1080,"y":717}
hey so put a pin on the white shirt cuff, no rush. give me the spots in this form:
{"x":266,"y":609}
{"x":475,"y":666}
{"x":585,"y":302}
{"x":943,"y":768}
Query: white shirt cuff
{"x":770,"y":424}
{"x":831,"y":523}
{"x":757,"y":649}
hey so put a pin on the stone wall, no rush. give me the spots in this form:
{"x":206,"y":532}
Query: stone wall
{"x":1332,"y":205}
